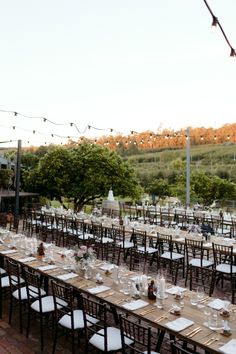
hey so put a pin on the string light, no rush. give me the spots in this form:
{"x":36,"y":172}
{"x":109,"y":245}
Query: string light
{"x":232,"y":53}
{"x":215,"y":23}
{"x":144,"y":139}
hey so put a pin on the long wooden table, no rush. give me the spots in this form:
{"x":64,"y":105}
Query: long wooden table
{"x":157,"y":318}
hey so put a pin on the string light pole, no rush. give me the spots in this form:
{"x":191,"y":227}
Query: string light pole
{"x":17,"y":184}
{"x":188,"y":168}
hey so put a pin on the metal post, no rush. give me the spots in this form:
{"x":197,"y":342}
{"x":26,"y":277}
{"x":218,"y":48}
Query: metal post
{"x":17,"y":183}
{"x":188,"y":169}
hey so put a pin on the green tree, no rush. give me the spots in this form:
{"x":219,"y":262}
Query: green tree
{"x":6,"y":176}
{"x":159,"y":187}
{"x":82,"y":174}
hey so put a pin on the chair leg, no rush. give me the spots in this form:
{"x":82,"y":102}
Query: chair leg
{"x":55,"y":340}
{"x":176,"y":273}
{"x":21,"y":319}
{"x":73,"y":342}
{"x":0,"y":303}
{"x":186,"y":277}
{"x":41,"y":332}
{"x":10,"y":311}
{"x":28,"y":323}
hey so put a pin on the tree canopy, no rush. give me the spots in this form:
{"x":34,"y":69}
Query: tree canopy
{"x":83,"y":174}
{"x":6,"y":176}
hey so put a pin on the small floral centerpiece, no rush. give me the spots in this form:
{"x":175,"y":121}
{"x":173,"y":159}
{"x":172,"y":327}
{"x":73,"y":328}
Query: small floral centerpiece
{"x":195,"y":228}
{"x":84,"y":256}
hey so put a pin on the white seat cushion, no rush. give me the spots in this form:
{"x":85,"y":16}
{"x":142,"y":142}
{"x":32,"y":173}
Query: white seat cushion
{"x":175,"y":256}
{"x":107,"y":240}
{"x":148,"y":249}
{"x":113,"y":339}
{"x":2,"y":271}
{"x":127,"y":244}
{"x":85,"y":236}
{"x":196,"y":262}
{"x":225,"y":268}
{"x":47,"y":304}
{"x":65,"y":321}
{"x":5,"y":282}
{"x":14,"y":279}
{"x":152,"y":352}
{"x":23,"y":293}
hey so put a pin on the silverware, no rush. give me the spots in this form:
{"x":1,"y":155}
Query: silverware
{"x":107,"y":294}
{"x":161,"y":318}
{"x":208,"y":341}
{"x":192,"y":331}
{"x":193,"y":334}
{"x":203,"y":300}
{"x":212,"y":341}
{"x":142,"y":313}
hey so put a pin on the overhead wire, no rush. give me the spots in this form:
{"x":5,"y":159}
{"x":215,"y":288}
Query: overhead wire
{"x":215,"y":22}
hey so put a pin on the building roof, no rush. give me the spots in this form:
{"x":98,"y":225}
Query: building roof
{"x":11,"y":194}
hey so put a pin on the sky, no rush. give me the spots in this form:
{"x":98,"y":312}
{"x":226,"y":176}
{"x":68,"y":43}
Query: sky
{"x":128,"y":65}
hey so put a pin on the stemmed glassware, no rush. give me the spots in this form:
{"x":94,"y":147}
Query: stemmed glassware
{"x":200,"y":294}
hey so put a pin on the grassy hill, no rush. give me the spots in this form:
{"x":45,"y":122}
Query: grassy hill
{"x":216,"y":159}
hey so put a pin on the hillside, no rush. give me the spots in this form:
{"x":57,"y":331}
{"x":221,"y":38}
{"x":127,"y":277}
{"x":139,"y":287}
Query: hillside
{"x":217,"y":159}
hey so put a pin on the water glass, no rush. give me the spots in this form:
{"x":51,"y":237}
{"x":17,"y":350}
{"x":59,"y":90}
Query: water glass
{"x":159,"y":303}
{"x":127,"y":287}
{"x":194,"y":298}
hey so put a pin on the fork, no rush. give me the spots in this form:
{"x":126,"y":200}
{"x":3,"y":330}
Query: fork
{"x":195,"y":332}
{"x":208,"y":341}
{"x":212,"y":341}
{"x":192,"y":331}
{"x":161,"y":318}
{"x":107,"y":294}
{"x":145,"y":312}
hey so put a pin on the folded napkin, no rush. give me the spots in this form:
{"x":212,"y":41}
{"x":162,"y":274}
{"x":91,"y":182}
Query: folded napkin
{"x":47,"y":245}
{"x":175,"y":290}
{"x":229,"y":348}
{"x":47,"y":267}
{"x":98,"y":289}
{"x":67,"y":276}
{"x":208,"y":244}
{"x":135,"y":305}
{"x":8,"y":251}
{"x":65,"y":253}
{"x":27,"y":259}
{"x":180,"y":238}
{"x":107,"y":267}
{"x":179,"y":324}
{"x":216,"y":304}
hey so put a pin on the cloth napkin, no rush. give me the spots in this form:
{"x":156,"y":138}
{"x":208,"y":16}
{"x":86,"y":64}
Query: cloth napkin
{"x":8,"y":251}
{"x":67,"y":276}
{"x":208,"y":244}
{"x":98,"y":289}
{"x":175,"y":290}
{"x":229,"y":348}
{"x":107,"y":267}
{"x":180,"y":238}
{"x":135,"y":305}
{"x":216,"y":304}
{"x":179,"y":324}
{"x":47,"y":267}
{"x":65,"y":253}
{"x":27,"y":259}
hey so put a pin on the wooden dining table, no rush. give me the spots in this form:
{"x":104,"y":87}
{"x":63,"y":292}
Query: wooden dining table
{"x":198,"y":333}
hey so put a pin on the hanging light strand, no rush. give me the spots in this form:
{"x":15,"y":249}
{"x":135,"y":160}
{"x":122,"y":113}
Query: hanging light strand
{"x":216,"y":22}
{"x":72,"y":124}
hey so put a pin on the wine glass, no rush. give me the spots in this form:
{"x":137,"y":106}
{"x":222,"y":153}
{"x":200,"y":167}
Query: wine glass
{"x":200,"y":296}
